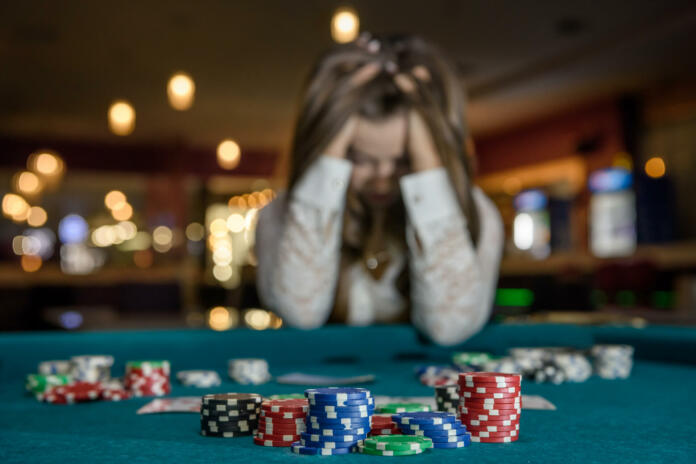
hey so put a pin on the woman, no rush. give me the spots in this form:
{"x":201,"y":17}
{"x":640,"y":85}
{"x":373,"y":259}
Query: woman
{"x":381,"y":221}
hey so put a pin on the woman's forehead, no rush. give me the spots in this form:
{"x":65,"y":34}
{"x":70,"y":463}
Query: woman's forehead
{"x":384,"y":137}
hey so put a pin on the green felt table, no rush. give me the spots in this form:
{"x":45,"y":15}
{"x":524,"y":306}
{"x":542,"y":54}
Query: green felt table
{"x":651,"y":417}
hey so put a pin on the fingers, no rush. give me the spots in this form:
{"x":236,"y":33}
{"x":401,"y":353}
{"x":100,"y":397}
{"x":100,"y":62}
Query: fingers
{"x":365,"y":73}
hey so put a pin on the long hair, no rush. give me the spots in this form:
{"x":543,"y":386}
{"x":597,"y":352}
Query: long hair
{"x":329,"y":98}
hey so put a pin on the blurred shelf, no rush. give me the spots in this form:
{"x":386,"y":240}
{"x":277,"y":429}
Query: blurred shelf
{"x":665,"y":257}
{"x":51,"y":274}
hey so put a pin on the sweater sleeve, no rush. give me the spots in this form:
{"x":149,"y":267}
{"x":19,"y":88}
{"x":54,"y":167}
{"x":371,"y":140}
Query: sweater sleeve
{"x":298,"y":245}
{"x":452,"y":282}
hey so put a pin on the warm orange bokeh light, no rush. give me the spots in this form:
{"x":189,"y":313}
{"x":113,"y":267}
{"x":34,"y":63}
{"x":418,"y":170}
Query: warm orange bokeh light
{"x":655,"y":167}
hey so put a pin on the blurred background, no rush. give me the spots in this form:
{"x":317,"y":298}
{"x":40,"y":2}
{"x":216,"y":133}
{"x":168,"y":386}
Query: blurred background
{"x":138,"y":141}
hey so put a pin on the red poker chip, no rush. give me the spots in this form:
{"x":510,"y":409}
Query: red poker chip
{"x":500,"y":414}
{"x":281,"y":425}
{"x":76,"y":392}
{"x":281,"y":430}
{"x":274,"y":443}
{"x":280,"y":420}
{"x":278,"y":436}
{"x":491,"y":399}
{"x":493,"y":439}
{"x":480,"y":423}
{"x":484,"y":389}
{"x":392,"y":431}
{"x":294,"y":405}
{"x":492,"y":428}
{"x":491,"y":409}
{"x":488,"y":396}
{"x":115,"y":394}
{"x":491,"y":377}
{"x":284,"y":415}
{"x":510,"y":433}
{"x":481,"y":405}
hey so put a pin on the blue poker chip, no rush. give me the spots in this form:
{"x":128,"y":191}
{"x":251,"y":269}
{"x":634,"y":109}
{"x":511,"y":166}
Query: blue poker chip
{"x":340,"y":415}
{"x":329,"y":432}
{"x":458,"y":444}
{"x":345,"y":409}
{"x":337,"y":393}
{"x":334,"y":402}
{"x":328,"y":444}
{"x":424,"y":418}
{"x":318,"y":438}
{"x":433,"y":433}
{"x":351,"y":422}
{"x":299,"y":448}
{"x":448,"y":426}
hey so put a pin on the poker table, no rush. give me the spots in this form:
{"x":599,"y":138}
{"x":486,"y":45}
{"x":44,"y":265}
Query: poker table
{"x":649,"y":417}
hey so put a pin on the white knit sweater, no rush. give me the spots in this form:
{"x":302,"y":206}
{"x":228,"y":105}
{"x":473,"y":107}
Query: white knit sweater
{"x":452,"y":283}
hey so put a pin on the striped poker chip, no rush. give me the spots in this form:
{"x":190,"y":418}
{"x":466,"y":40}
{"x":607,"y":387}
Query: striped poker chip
{"x":500,"y":396}
{"x":424,"y":418}
{"x":490,"y":377}
{"x":339,"y":394}
{"x":482,"y":416}
{"x":288,"y":405}
{"x":482,"y":434}
{"x":480,"y":423}
{"x":289,"y":437}
{"x":486,"y":390}
{"x":298,"y":448}
{"x":493,"y":428}
{"x":493,"y":439}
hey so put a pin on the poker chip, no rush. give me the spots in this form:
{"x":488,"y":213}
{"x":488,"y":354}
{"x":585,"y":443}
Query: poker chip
{"x":199,"y":378}
{"x":147,"y":378}
{"x":483,"y":434}
{"x":402,"y":407}
{"x":55,"y":367}
{"x":91,"y":368}
{"x":337,"y":432}
{"x":230,"y":415}
{"x":383,"y":425}
{"x":275,"y":443}
{"x":252,"y":371}
{"x":398,"y":443}
{"x":337,"y":394}
{"x":375,"y":452}
{"x":281,"y":422}
{"x":474,"y":359}
{"x":492,"y":428}
{"x":493,"y":439}
{"x":438,"y":432}
{"x":73,"y":393}
{"x":424,"y":418}
{"x":612,"y":361}
{"x":287,"y":396}
{"x":457,"y":444}
{"x":437,"y":375}
{"x":298,"y":448}
{"x":446,"y":426}
{"x":488,"y":409}
{"x":337,"y":418}
{"x":114,"y":390}
{"x":39,"y":383}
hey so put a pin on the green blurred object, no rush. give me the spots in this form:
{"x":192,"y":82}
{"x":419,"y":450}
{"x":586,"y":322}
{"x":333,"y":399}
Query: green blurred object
{"x":514,"y":297}
{"x":393,"y":408}
{"x":663,"y":299}
{"x":288,"y":396}
{"x":39,"y":383}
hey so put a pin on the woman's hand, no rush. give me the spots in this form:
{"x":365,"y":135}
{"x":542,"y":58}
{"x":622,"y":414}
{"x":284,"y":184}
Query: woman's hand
{"x":339,"y":145}
{"x":421,"y":146}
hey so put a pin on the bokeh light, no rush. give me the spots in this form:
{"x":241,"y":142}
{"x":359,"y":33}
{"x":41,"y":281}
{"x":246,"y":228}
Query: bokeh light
{"x":37,"y":216}
{"x":114,"y":199}
{"x":180,"y":91}
{"x":228,"y":154}
{"x":28,"y":183}
{"x":121,"y":117}
{"x":31,"y":263}
{"x":345,"y":25}
{"x":257,"y":319}
{"x":73,"y":229}
{"x":235,"y":223}
{"x":220,"y":318}
{"x":655,"y":167}
{"x":122,"y":212}
{"x":195,"y":232}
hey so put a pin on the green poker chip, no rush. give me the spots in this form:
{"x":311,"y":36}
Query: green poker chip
{"x":288,"y":396}
{"x":472,"y":358}
{"x":398,"y":443}
{"x":39,"y":383}
{"x":393,"y":408}
{"x":146,"y":364}
{"x":375,"y":452}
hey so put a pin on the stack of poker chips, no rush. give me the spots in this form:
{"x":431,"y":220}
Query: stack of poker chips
{"x":443,"y":428}
{"x":337,"y":420}
{"x":549,"y":364}
{"x":447,"y":398}
{"x":612,"y":361}
{"x":147,"y":378}
{"x":198,"y":378}
{"x":281,"y":422}
{"x":230,"y":415}
{"x":490,"y":405}
{"x":114,"y":390}
{"x":91,"y":368}
{"x":76,"y":392}
{"x":395,"y":445}
{"x":57,"y":367}
{"x":39,"y":383}
{"x":248,"y":371}
{"x":436,"y":375}
{"x":471,"y":360}
{"x":382,"y":424}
